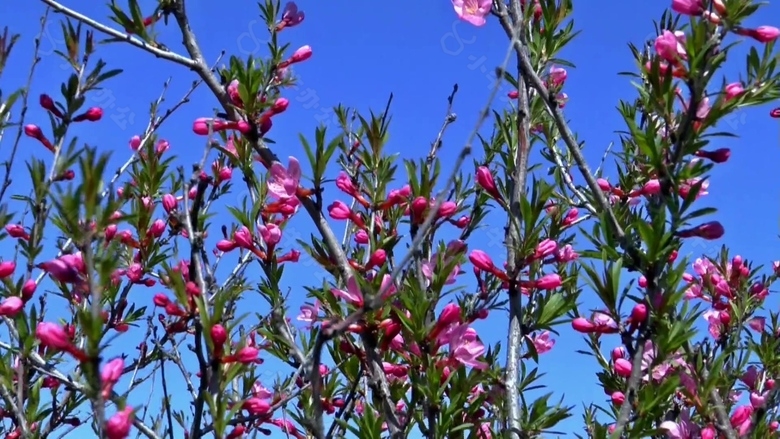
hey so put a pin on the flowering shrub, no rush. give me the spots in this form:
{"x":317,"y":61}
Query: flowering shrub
{"x":386,"y":345}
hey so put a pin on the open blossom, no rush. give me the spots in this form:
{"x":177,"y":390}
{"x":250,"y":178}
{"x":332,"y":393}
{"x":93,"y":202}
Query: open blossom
{"x":542,"y":342}
{"x":670,"y":46}
{"x":283,"y":182}
{"x":465,"y":347}
{"x":684,"y":429}
{"x":473,"y":11}
{"x":352,"y":295}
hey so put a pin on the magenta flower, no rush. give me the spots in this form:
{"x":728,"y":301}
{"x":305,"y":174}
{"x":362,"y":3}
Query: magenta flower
{"x":473,"y":11}
{"x":465,"y":347}
{"x":352,"y":295}
{"x":283,"y":182}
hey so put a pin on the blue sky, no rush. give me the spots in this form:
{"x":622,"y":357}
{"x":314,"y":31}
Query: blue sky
{"x":416,"y":50}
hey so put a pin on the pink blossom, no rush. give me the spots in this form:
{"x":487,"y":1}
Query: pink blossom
{"x":684,"y":429}
{"x":118,"y":427}
{"x":271,"y":233}
{"x":66,"y":268}
{"x":11,"y":306}
{"x":309,"y":313}
{"x":473,"y":11}
{"x":352,"y":295}
{"x":465,"y":347}
{"x":670,"y":46}
{"x":542,"y":342}
{"x":283,"y":182}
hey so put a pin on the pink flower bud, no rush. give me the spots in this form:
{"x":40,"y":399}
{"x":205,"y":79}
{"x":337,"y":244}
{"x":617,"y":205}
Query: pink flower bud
{"x":33,"y":131}
{"x":11,"y":306}
{"x":271,"y":233}
{"x":93,"y":114}
{"x":247,"y":355}
{"x":280,"y":105}
{"x":549,"y":282}
{"x":169,"y":203}
{"x":6,"y":269}
{"x":487,"y":183}
{"x":688,"y":7}
{"x":135,"y":143}
{"x":219,"y":335}
{"x":481,"y":260}
{"x":639,"y":313}
{"x":377,"y":259}
{"x":118,"y":427}
{"x":361,"y":237}
{"x":157,"y":228}
{"x":545,"y":248}
{"x":618,"y":398}
{"x":17,"y":231}
{"x":583,"y":325}
{"x":52,"y":335}
{"x":447,"y":209}
{"x":201,"y":126}
{"x":733,"y":90}
{"x":618,"y":352}
{"x":418,"y":207}
{"x":302,"y":54}
{"x":709,"y":231}
{"x":256,"y":406}
{"x":765,"y":34}
{"x":161,"y":300}
{"x":338,"y":210}
{"x":623,"y":368}
{"x":225,"y":245}
{"x":28,"y":289}
{"x":243,"y":238}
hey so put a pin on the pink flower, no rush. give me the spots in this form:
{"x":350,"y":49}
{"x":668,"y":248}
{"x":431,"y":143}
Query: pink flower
{"x":465,"y":347}
{"x":6,"y":269}
{"x":247,"y":355}
{"x":283,"y":182}
{"x":558,"y":76}
{"x":670,"y":46}
{"x":309,"y":313}
{"x":66,"y":268}
{"x":473,"y":11}
{"x":545,"y":248}
{"x":110,"y":374}
{"x":765,"y":34}
{"x":271,"y":233}
{"x":542,"y":342}
{"x":623,"y":367}
{"x":11,"y":306}
{"x":339,"y":210}
{"x":688,"y":7}
{"x":256,"y":406}
{"x":352,"y":295}
{"x":685,"y":429}
{"x":548,"y":282}
{"x":344,"y":182}
{"x":291,"y":15}
{"x":481,"y":260}
{"x":710,"y":230}
{"x":566,"y":254}
{"x":53,"y":336}
{"x":118,"y":427}
{"x":733,"y":90}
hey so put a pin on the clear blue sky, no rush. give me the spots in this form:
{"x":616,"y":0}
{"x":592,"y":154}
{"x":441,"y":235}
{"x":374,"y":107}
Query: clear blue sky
{"x":416,"y":50}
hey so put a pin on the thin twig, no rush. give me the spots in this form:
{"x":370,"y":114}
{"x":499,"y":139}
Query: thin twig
{"x":156,"y":51}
